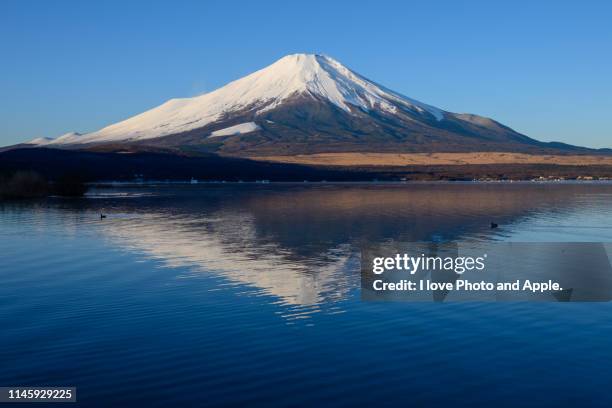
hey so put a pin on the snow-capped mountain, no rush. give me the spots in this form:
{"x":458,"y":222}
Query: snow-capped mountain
{"x":302,"y":103}
{"x":264,"y":90}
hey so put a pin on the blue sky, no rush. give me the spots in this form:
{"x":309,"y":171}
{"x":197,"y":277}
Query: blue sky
{"x":542,"y":68}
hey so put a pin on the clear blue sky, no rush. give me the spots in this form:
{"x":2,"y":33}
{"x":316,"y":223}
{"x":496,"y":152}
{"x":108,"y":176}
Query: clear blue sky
{"x":543,"y":68}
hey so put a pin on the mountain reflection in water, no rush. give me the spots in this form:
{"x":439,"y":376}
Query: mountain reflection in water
{"x":301,"y":244}
{"x":249,"y":295}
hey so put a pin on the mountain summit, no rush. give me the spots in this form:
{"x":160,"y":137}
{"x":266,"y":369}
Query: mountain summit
{"x":303,"y":103}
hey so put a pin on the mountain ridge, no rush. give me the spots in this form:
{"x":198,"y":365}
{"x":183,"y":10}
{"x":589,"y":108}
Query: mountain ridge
{"x":305,"y":104}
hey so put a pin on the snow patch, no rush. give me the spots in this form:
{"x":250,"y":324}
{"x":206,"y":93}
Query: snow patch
{"x":67,"y":138}
{"x":239,"y":129}
{"x":39,"y":141}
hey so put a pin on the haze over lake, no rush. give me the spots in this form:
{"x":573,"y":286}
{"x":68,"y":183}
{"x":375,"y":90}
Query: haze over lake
{"x":249,"y":293}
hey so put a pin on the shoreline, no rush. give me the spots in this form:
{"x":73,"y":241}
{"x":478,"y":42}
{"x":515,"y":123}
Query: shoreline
{"x":154,"y":183}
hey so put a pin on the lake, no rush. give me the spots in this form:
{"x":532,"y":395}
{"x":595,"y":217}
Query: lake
{"x":249,"y":294}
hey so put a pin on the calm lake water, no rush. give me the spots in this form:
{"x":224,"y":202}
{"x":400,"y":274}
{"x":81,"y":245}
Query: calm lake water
{"x":249,"y":295}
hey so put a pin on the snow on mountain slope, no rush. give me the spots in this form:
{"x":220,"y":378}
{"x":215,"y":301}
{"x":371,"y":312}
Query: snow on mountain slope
{"x":298,"y":74}
{"x":67,"y":138}
{"x":39,"y":141}
{"x":236,"y":130}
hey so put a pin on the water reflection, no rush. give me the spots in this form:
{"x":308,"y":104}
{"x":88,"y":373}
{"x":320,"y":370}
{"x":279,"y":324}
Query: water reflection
{"x":257,"y":298}
{"x":230,"y":247}
{"x":301,"y":244}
